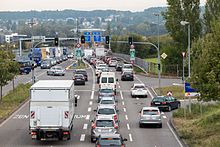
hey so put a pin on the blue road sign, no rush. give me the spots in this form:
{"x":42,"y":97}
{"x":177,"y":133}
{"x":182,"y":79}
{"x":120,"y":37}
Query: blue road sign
{"x":188,"y":88}
{"x":87,"y":38}
{"x":87,"y":33}
{"x":96,"y":33}
{"x":97,"y":38}
{"x":74,"y":64}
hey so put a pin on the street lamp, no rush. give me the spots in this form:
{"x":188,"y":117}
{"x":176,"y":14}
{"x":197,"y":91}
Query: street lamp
{"x":158,"y":47}
{"x":187,"y":23}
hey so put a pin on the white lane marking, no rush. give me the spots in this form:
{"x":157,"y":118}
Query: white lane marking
{"x":137,"y":98}
{"x":128,"y":126}
{"x":121,"y":95}
{"x":130,"y":137}
{"x":4,"y":122}
{"x":151,"y":95}
{"x":85,"y":126}
{"x":92,"y":95}
{"x":138,"y":79}
{"x":89,"y":109}
{"x":162,"y":112}
{"x":154,"y":91}
{"x":119,"y":86}
{"x":124,"y":109}
{"x":82,"y":137}
{"x":126,"y":117}
{"x":123,"y":103}
{"x":164,"y":116}
{"x":174,"y":135}
{"x":87,"y":117}
{"x":90,"y":103}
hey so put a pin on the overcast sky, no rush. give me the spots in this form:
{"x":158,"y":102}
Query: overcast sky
{"x":132,"y":5}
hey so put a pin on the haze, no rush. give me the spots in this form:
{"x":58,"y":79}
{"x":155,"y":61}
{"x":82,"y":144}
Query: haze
{"x":131,"y":5}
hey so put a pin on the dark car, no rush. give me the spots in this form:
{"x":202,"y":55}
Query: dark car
{"x":79,"y":79}
{"x":105,"y":93}
{"x":165,"y":103}
{"x":25,"y":66}
{"x":110,"y":139}
{"x":83,"y":72}
{"x":118,"y":67}
{"x":127,"y":76}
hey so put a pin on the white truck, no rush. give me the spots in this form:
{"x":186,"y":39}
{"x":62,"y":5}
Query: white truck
{"x":87,"y":53}
{"x":52,"y":104}
{"x":100,"y":52}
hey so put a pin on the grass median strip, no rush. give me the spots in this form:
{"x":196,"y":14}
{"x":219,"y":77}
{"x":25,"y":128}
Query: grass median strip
{"x":199,"y":129}
{"x":13,"y":99}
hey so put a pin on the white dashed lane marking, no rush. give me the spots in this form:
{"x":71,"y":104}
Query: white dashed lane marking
{"x":128,"y":126}
{"x":126,"y":117}
{"x":82,"y":137}
{"x":85,"y":126}
{"x":87,"y":117}
{"x":89,"y":109}
{"x":90,"y":103}
{"x":123,"y":103}
{"x":130,"y":137}
{"x":121,"y":95}
{"x":124,"y":109}
{"x":164,"y":116}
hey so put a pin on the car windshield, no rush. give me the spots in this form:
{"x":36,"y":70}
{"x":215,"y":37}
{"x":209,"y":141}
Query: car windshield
{"x":78,"y":76}
{"x":58,"y":68}
{"x":107,"y":102}
{"x":104,"y":80}
{"x":139,"y":87}
{"x":110,"y":80}
{"x":106,"y":111}
{"x":104,"y":123}
{"x":106,"y":91}
{"x":150,"y":112}
{"x":110,"y":141}
{"x":81,"y":72}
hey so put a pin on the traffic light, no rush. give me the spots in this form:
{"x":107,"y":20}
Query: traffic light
{"x":106,"y":39}
{"x":130,"y":40}
{"x":158,"y":66}
{"x":83,"y":39}
{"x":56,"y":41}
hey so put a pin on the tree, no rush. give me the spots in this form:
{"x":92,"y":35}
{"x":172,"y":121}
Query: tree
{"x":212,"y":12}
{"x":180,"y":10}
{"x":8,"y":68}
{"x":206,"y":65}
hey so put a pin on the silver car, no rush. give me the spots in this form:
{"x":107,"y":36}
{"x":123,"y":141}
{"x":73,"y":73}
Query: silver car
{"x":109,"y":101}
{"x":56,"y":70}
{"x":102,"y":125}
{"x":150,"y":115}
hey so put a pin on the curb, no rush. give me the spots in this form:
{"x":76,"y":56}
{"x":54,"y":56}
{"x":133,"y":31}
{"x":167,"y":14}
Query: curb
{"x":183,"y":142}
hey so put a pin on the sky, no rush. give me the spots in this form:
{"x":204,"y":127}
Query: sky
{"x":39,"y":5}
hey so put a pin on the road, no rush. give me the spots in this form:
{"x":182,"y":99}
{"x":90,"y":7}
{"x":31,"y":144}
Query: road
{"x":14,"y":131}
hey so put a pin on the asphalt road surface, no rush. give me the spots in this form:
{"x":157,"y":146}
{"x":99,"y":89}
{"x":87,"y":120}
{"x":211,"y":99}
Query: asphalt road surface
{"x":15,"y":130}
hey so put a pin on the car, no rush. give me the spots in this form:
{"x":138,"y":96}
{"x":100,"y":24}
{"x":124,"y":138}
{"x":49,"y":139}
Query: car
{"x":101,"y":125}
{"x":104,"y":110}
{"x":118,"y":67}
{"x":56,"y":70}
{"x":51,"y":60}
{"x":127,"y":76}
{"x":79,"y":79}
{"x":83,"y":72}
{"x":139,"y":90}
{"x":165,"y":103}
{"x":46,"y":64}
{"x":70,"y":55}
{"x":127,"y":67}
{"x":113,"y":63}
{"x":105,"y":93}
{"x":98,"y":70}
{"x":109,"y":101}
{"x":24,"y":66}
{"x":110,"y":139}
{"x":149,"y":116}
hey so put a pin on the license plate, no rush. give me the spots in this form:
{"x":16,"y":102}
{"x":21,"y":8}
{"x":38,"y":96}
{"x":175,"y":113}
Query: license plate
{"x":157,"y":103}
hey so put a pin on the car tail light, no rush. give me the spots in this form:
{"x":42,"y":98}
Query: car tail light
{"x":33,"y":133}
{"x":65,"y":133}
{"x":98,"y":145}
{"x":93,"y":125}
{"x":32,"y":114}
{"x":66,"y":114}
{"x":115,"y":126}
{"x":158,"y":112}
{"x":115,"y":117}
{"x":164,"y":102}
{"x":122,"y":146}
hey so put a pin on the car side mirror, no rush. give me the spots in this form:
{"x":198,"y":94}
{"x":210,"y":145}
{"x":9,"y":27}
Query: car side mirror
{"x":117,"y":80}
{"x":139,"y":111}
{"x":95,"y":110}
{"x":91,"y":121}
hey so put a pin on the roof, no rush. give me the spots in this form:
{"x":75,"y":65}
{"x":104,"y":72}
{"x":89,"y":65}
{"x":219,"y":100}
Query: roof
{"x":53,"y":84}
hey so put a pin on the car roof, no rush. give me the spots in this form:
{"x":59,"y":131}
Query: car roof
{"x":150,"y":108}
{"x":104,"y":117}
{"x":139,"y":84}
{"x":110,"y":135}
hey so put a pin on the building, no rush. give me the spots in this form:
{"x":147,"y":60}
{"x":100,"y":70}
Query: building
{"x":13,"y":37}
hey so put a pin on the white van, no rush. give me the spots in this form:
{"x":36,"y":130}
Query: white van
{"x":108,"y":81}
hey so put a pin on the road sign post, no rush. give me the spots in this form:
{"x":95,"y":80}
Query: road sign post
{"x":132,"y":53}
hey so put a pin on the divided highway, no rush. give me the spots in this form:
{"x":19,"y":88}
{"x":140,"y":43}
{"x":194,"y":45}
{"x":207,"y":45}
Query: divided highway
{"x":15,"y":132}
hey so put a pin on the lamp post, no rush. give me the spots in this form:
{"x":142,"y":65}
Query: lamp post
{"x":158,"y":47}
{"x":187,"y":23}
{"x":32,"y":23}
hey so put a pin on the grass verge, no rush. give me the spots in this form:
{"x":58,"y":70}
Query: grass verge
{"x":79,"y":65}
{"x":152,"y":60}
{"x":176,"y":90}
{"x":13,"y":99}
{"x":138,"y":70}
{"x":199,"y":129}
